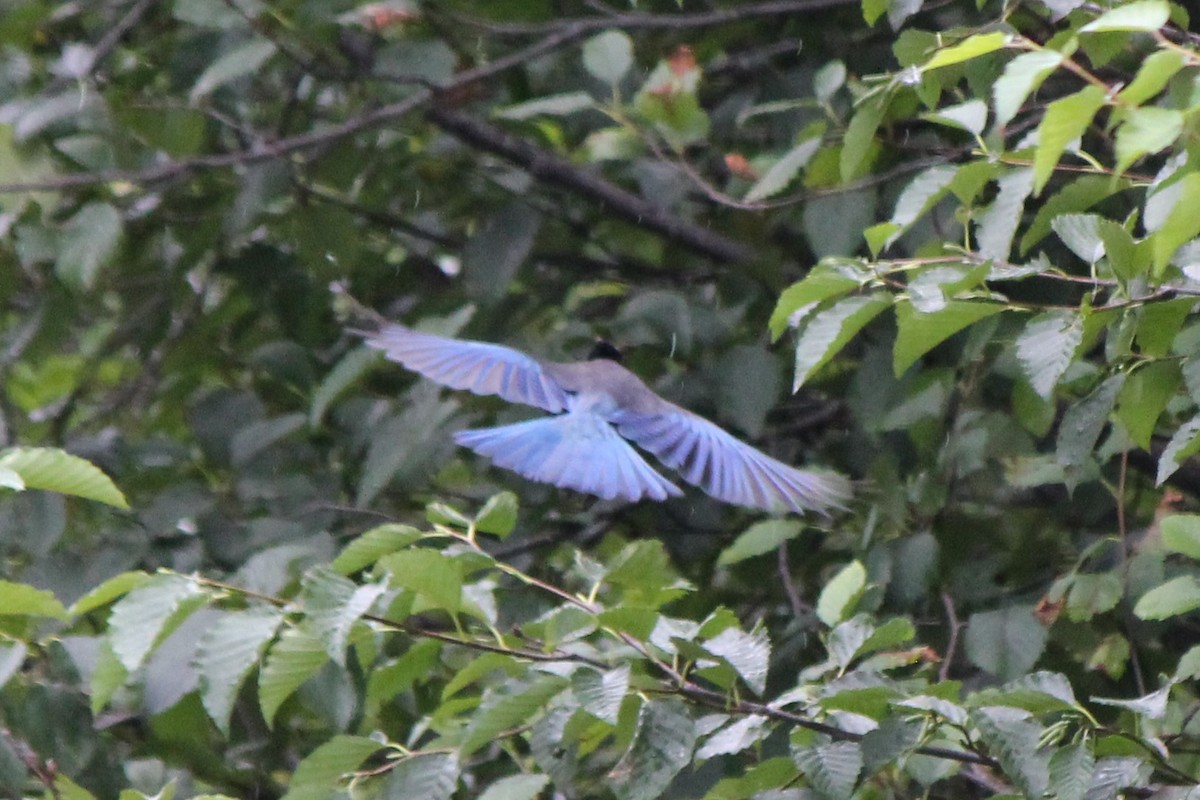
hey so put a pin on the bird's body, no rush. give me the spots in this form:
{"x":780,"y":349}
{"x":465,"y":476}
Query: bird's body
{"x":600,"y":407}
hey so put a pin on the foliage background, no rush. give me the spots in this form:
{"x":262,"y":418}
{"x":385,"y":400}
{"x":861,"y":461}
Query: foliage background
{"x":963,"y":234}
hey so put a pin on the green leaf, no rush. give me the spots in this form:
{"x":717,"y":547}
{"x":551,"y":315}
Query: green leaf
{"x":373,"y":545}
{"x":919,"y":333}
{"x":343,"y":375}
{"x":1177,"y":596}
{"x":498,"y":515}
{"x":1144,"y":15}
{"x":57,"y":471}
{"x":1182,"y":223}
{"x":608,"y":56}
{"x":1093,"y":594}
{"x":1184,"y":443}
{"x":1181,"y":534}
{"x":1014,"y":741}
{"x":1146,"y":130}
{"x":1037,"y":693}
{"x":295,"y":658}
{"x":601,"y":693}
{"x":1081,"y":233}
{"x":19,"y":599}
{"x":1152,"y":77}
{"x":1144,"y":397}
{"x":240,"y":62}
{"x":972,"y":47}
{"x":828,"y":331}
{"x":783,"y":171}
{"x":997,"y":225}
{"x":822,"y":283}
{"x":662,"y":746}
{"x":429,"y":573}
{"x":1047,"y":346}
{"x":860,"y":136}
{"x":228,"y":651}
{"x":508,"y":707}
{"x":261,"y":434}
{"x":831,"y":769}
{"x":1082,"y":425}
{"x":556,"y":105}
{"x":922,"y":193}
{"x":143,"y":617}
{"x":89,"y":241}
{"x":514,"y":787}
{"x":1006,"y":642}
{"x":747,"y":653}
{"x":874,"y":9}
{"x":1079,"y":195}
{"x":1159,"y":324}
{"x":1071,"y":771}
{"x":1022,"y":76}
{"x":321,"y":772}
{"x":333,"y":604}
{"x":970,"y":116}
{"x":1065,"y":121}
{"x":429,"y":777}
{"x":839,"y":596}
{"x":759,"y":538}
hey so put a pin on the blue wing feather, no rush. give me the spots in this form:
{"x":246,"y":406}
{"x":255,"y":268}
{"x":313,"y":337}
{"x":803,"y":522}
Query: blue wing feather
{"x":727,"y":468}
{"x":477,"y":367}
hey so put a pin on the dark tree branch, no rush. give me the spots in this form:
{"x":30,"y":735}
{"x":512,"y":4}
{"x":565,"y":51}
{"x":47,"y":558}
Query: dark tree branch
{"x":556,"y":171}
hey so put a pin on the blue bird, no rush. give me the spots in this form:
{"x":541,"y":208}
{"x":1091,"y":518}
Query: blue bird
{"x":599,"y":407}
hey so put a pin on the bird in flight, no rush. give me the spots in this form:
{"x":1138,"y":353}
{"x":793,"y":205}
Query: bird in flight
{"x":598,"y":408}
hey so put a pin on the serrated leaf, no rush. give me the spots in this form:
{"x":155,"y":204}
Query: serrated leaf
{"x":515,"y":787}
{"x":839,"y":596}
{"x":1006,"y":642}
{"x":227,"y":653}
{"x":508,"y":707}
{"x":428,"y":777}
{"x":747,"y":653}
{"x":1144,"y":397}
{"x":332,"y":604}
{"x":1181,"y":534}
{"x":601,"y":693}
{"x":1046,"y":347}
{"x":58,"y":471}
{"x":1151,"y":706}
{"x":1022,"y":76}
{"x":1070,"y":771}
{"x":608,"y":56}
{"x":860,"y":136}
{"x":344,"y":374}
{"x":1065,"y":121}
{"x":1152,"y":77}
{"x":661,"y":747}
{"x":970,"y":116}
{"x":831,"y":769}
{"x":240,"y":62}
{"x":1093,"y":594}
{"x":322,"y":771}
{"x":1013,"y":739}
{"x":997,"y":225}
{"x":89,"y":241}
{"x":1079,"y":195}
{"x":373,"y":545}
{"x":1082,"y":425}
{"x":1177,"y":596}
{"x":1184,"y":443}
{"x":1144,"y":15}
{"x":295,"y":658}
{"x":820,"y":284}
{"x":1182,"y":223}
{"x":141,"y":618}
{"x":828,"y":331}
{"x":919,"y":333}
{"x":1146,"y":131}
{"x":1081,"y":234}
{"x":498,"y":515}
{"x":19,"y":599}
{"x":972,"y":47}
{"x":428,"y":573}
{"x":922,"y":193}
{"x":1038,"y":693}
{"x":783,"y":171}
{"x":105,"y":593}
{"x":759,"y":538}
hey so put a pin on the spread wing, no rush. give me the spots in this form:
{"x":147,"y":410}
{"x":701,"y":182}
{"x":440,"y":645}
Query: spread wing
{"x":478,"y":367}
{"x":578,"y":450}
{"x":727,"y":468}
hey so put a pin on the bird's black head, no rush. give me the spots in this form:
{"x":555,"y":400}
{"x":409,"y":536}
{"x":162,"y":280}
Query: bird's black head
{"x":604,"y":349}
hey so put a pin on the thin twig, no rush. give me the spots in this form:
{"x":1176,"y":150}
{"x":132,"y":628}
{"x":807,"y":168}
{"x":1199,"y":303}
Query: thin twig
{"x":800,"y":609}
{"x":952,"y":642}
